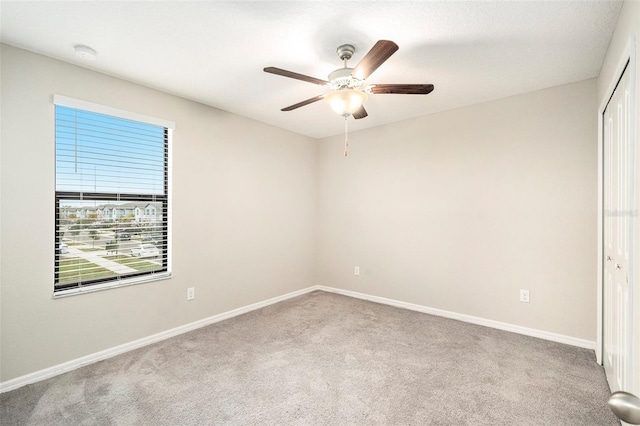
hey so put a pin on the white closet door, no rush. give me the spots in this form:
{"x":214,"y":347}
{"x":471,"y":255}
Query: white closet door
{"x":619,"y":168}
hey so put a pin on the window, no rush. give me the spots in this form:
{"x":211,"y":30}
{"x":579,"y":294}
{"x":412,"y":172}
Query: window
{"x":110,"y":166}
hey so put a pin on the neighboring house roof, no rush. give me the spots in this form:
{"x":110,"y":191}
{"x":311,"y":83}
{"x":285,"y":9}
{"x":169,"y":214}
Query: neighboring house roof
{"x":108,"y":208}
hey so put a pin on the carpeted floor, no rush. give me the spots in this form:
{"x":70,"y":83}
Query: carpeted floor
{"x":321,"y":359}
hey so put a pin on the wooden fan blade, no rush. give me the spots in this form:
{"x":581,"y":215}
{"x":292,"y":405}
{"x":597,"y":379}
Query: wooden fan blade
{"x":303,"y":103}
{"x":360,"y":113}
{"x":379,"y":53}
{"x":402,"y":89}
{"x":291,"y":74}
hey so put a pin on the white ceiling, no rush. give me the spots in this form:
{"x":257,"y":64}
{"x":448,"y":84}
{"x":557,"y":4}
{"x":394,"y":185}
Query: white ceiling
{"x":214,"y":52}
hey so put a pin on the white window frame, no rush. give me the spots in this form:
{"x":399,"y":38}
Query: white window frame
{"x":170,"y":127}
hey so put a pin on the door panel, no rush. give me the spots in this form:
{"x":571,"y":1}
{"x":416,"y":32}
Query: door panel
{"x":617,"y":239}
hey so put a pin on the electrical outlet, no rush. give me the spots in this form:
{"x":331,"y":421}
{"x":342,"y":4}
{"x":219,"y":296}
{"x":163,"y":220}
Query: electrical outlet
{"x":191,"y":293}
{"x":524,"y":296}
{"x":356,"y":270}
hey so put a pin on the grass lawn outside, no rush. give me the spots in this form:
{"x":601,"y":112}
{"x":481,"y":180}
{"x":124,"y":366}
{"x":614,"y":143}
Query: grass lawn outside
{"x":87,"y":249}
{"x":77,"y":270}
{"x":134,"y":262}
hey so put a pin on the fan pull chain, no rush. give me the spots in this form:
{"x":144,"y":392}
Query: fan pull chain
{"x":346,"y":136}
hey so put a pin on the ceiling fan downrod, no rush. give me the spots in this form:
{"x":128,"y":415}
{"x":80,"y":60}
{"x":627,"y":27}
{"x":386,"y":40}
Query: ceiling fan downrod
{"x":342,"y":78}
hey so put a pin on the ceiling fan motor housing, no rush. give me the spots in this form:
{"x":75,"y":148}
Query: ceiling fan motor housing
{"x":342,"y":79}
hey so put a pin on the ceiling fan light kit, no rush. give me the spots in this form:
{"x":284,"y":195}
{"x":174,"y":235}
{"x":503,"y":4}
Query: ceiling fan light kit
{"x":348,"y":91}
{"x":345,"y":101}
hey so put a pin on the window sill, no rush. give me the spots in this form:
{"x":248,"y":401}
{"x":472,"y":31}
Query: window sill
{"x":107,"y":286}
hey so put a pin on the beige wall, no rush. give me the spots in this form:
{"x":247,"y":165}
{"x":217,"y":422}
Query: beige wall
{"x":244,"y":218}
{"x":459,"y":210}
{"x":628,"y":25}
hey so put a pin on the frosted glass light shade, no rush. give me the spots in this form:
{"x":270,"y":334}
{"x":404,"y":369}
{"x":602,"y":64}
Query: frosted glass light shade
{"x":346,"y":101}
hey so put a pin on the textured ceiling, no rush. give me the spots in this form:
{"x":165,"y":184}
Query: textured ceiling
{"x":214,"y":52}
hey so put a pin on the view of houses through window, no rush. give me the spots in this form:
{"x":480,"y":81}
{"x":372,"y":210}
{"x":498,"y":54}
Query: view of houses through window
{"x":105,"y":239}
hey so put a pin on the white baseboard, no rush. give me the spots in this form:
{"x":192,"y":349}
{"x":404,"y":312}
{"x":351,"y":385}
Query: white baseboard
{"x":117,"y":350}
{"x":573,"y":341}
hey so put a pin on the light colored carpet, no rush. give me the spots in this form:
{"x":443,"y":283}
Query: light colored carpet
{"x":323,"y":359}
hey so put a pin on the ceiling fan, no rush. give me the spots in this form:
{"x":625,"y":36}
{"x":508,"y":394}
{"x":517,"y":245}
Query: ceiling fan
{"x":347,"y":84}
